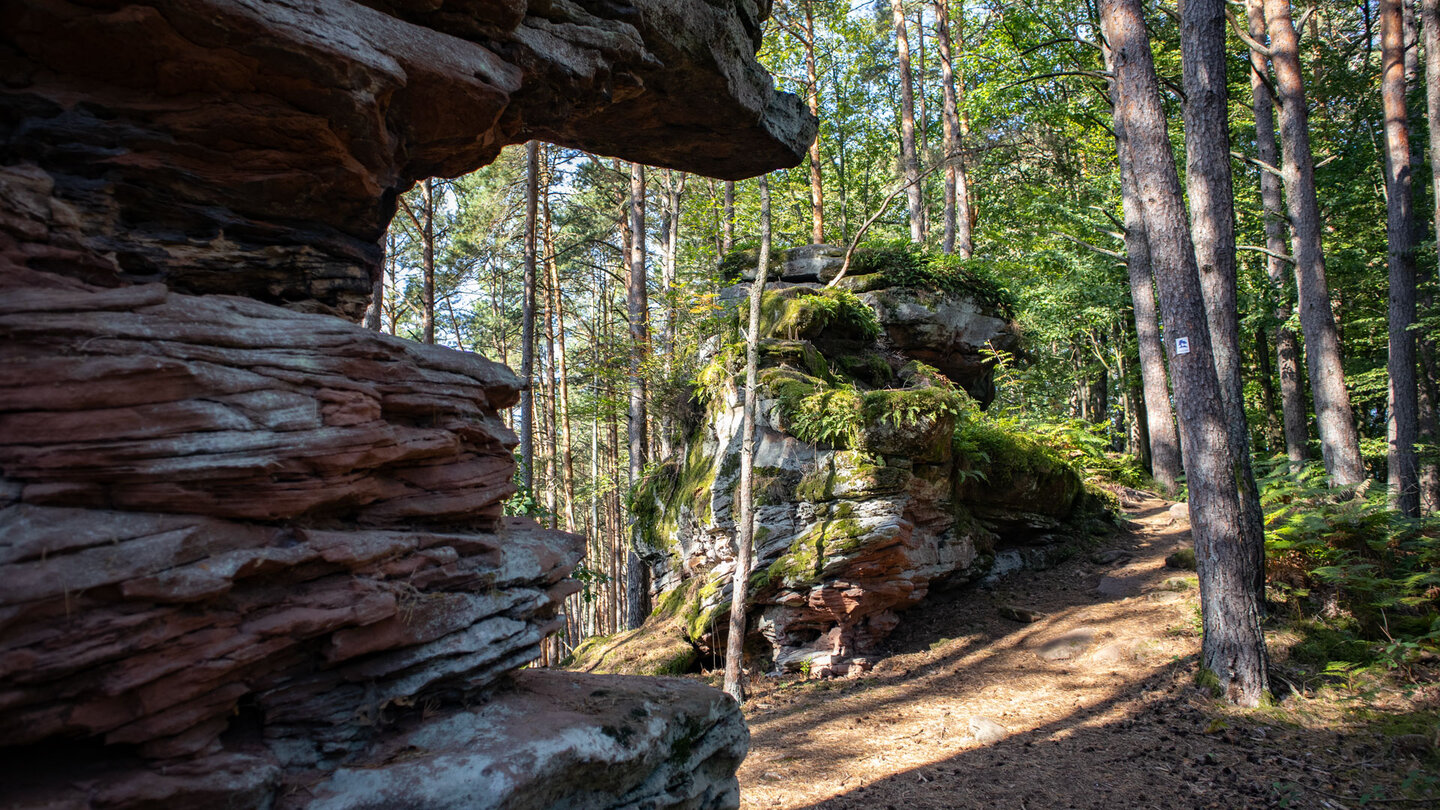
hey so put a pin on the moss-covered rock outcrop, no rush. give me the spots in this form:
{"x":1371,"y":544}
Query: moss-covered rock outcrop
{"x":877,"y":477}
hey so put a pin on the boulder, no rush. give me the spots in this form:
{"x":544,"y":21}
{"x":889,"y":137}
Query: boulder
{"x":866,"y":498}
{"x":953,"y":332}
{"x":543,"y":740}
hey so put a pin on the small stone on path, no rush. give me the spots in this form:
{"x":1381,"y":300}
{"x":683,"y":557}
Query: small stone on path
{"x":1120,"y":586}
{"x":986,"y":731}
{"x":1109,"y":556}
{"x":1067,"y":646}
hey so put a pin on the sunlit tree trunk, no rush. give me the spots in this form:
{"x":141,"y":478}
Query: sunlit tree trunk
{"x":374,"y":312}
{"x":745,"y":498}
{"x":1339,"y":441}
{"x":1164,"y":441}
{"x":562,"y":382}
{"x":636,"y":584}
{"x":1287,"y":345}
{"x":1233,"y":646}
{"x":1212,"y":228}
{"x":812,"y":81}
{"x":1403,"y":424}
{"x":909,"y":162}
{"x":428,"y":264}
{"x":957,"y":238}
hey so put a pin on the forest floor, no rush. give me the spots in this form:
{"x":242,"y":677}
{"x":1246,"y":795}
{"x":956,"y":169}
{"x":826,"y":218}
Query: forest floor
{"x":1094,"y":705}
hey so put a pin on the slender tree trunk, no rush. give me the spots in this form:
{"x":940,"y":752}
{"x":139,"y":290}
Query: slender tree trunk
{"x":727,"y":242}
{"x":745,"y":506}
{"x":1234,"y":646}
{"x":957,"y":236}
{"x":1430,"y":24}
{"x":562,"y":384}
{"x":674,"y":191}
{"x":1403,"y":426}
{"x":908,"y":159}
{"x":812,"y":81}
{"x":1212,"y":229}
{"x":1287,"y":346}
{"x":637,"y":590}
{"x":1339,"y":441}
{"x":1429,"y":401}
{"x":527,"y":319}
{"x":1164,"y":441}
{"x":1269,"y":403}
{"x":548,"y":407}
{"x":428,"y":264}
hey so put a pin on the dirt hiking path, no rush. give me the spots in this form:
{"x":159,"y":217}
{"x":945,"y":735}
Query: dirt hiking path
{"x":1092,"y":705}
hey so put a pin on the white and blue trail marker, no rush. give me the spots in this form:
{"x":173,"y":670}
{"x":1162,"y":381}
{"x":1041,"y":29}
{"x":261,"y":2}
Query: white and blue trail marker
{"x":1182,"y":345}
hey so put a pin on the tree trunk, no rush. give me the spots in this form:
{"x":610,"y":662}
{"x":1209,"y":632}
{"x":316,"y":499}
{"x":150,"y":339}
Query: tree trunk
{"x":1164,"y":442}
{"x":957,"y":238}
{"x":637,"y":590}
{"x":428,"y":264}
{"x":1212,"y":229}
{"x":562,"y":382}
{"x":1339,"y":441}
{"x":527,"y":320}
{"x":674,"y":191}
{"x":908,"y":160}
{"x":1430,"y":24}
{"x":1287,"y":346}
{"x":1429,"y":430}
{"x":812,"y":80}
{"x":1403,"y":423}
{"x":727,"y":242}
{"x":1274,"y":433}
{"x":1234,"y":646}
{"x":745,"y":498}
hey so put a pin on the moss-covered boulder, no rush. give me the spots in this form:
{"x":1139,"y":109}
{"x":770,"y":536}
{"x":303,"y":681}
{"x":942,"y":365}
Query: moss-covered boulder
{"x":875,"y":477}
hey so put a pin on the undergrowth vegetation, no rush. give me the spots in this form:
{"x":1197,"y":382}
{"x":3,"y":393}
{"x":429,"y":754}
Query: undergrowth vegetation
{"x":1360,"y":582}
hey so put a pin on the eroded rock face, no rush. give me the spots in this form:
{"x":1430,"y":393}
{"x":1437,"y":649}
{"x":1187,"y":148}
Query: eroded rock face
{"x":251,"y":555}
{"x":256,"y":147}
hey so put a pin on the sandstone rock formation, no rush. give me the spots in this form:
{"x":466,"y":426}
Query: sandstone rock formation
{"x":251,"y":555}
{"x":877,"y":479}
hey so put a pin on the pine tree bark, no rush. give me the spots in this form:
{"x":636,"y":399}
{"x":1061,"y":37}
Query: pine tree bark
{"x":1403,"y":422}
{"x":562,"y":383}
{"x":428,"y":264}
{"x":1212,"y":228}
{"x":745,"y":506}
{"x":1234,"y":646}
{"x":957,"y":237}
{"x":527,"y":319}
{"x":1287,"y":345}
{"x":374,"y":312}
{"x":812,"y":81}
{"x":1339,"y":441}
{"x":1164,"y":441}
{"x":637,"y":586}
{"x":910,"y":164}
{"x":1430,"y":472}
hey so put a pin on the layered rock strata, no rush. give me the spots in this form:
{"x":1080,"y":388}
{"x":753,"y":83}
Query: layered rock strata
{"x":256,"y":147}
{"x":252,"y":555}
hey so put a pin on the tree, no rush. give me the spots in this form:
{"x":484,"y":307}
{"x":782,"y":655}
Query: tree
{"x":1339,"y":441}
{"x":1430,"y":471}
{"x":958,"y":236}
{"x":745,"y":506}
{"x":908,"y":160}
{"x":1165,"y":461}
{"x":1287,"y":346}
{"x":1212,"y":228}
{"x":1234,"y":646}
{"x":527,"y":328}
{"x":636,"y":584}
